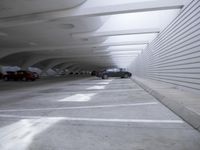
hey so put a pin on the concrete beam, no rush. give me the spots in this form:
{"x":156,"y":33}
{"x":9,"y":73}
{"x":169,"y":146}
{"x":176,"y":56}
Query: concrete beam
{"x":52,"y":64}
{"x":115,"y":33}
{"x":79,"y":46}
{"x":85,"y":11}
{"x":65,"y":66}
{"x":124,"y":8}
{"x":36,"y":59}
{"x":77,"y":69}
{"x":107,"y":51}
{"x":72,"y":68}
{"x":5,"y":53}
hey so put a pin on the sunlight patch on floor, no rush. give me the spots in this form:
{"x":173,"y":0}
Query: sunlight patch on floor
{"x":78,"y":98}
{"x":97,"y":87}
{"x":19,"y":135}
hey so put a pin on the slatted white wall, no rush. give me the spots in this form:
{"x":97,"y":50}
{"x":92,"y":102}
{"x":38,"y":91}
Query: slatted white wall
{"x":174,"y":56}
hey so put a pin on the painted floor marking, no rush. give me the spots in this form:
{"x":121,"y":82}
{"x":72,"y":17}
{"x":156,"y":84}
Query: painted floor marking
{"x":81,"y":107}
{"x":95,"y":119}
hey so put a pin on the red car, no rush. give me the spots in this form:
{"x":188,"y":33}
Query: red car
{"x":19,"y":75}
{"x":10,"y":75}
{"x":1,"y":75}
{"x":25,"y":76}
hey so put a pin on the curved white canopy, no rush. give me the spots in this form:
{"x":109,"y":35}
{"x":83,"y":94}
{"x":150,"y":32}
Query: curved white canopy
{"x":104,"y":33}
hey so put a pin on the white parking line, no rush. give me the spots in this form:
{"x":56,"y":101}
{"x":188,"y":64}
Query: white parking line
{"x":95,"y":119}
{"x":81,"y":107}
{"x":123,"y":120}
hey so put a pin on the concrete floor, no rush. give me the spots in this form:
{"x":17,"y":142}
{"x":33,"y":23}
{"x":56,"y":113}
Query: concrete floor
{"x":88,"y":114}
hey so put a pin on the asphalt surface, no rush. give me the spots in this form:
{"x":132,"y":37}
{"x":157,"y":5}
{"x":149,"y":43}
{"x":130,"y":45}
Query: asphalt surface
{"x":88,"y":114}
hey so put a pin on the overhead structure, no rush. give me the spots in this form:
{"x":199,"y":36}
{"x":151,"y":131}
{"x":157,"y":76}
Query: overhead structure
{"x":91,"y":34}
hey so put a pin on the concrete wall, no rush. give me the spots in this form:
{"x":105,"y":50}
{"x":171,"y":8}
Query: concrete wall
{"x":174,"y":56}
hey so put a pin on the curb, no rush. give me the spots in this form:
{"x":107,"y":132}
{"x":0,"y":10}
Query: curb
{"x":178,"y":108}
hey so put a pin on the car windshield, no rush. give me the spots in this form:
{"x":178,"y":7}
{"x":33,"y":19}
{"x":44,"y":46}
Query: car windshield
{"x":113,"y":70}
{"x":10,"y":72}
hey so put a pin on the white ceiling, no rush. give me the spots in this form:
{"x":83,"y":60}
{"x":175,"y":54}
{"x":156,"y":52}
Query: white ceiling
{"x":84,"y":32}
{"x":9,"y":8}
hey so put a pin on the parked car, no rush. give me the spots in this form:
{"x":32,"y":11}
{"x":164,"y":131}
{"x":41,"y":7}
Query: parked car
{"x":36,"y":75}
{"x":114,"y":73}
{"x":19,"y":75}
{"x":9,"y":75}
{"x":94,"y":73}
{"x":25,"y":76}
{"x":1,"y":75}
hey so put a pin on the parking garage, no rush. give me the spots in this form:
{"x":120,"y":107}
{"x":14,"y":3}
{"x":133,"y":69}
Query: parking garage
{"x":89,"y":74}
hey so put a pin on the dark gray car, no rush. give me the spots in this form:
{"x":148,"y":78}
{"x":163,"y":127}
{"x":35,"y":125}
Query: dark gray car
{"x":114,"y":73}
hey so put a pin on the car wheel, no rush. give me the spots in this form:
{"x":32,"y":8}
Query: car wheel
{"x":5,"y":78}
{"x":24,"y":79}
{"x":126,"y":76}
{"x":105,"y":76}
